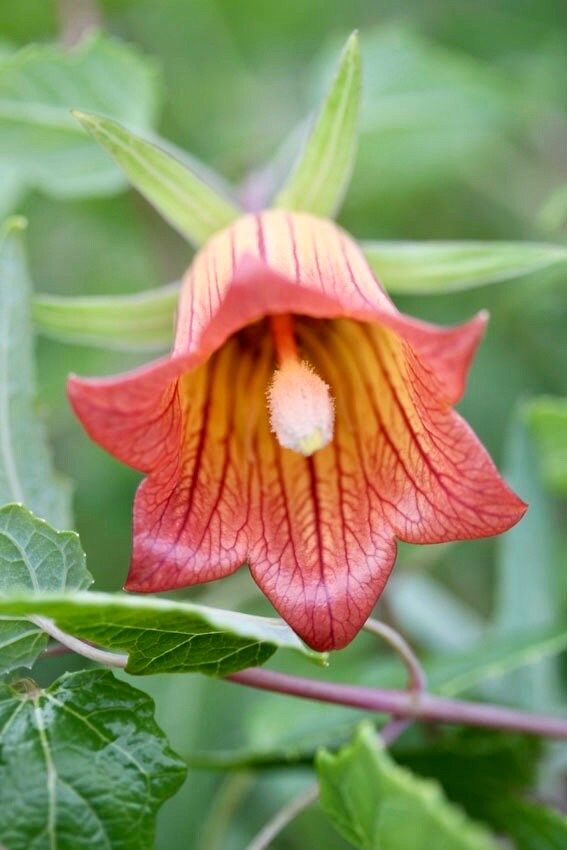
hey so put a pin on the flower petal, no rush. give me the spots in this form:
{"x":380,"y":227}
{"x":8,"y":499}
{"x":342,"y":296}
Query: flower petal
{"x":264,"y":264}
{"x":134,"y":416}
{"x":402,"y":465}
{"x":192,"y":515}
{"x":298,"y":249}
{"x":313,"y":533}
{"x":432,"y":476}
{"x":323,"y":551}
{"x":319,"y":532}
{"x":281,"y":262}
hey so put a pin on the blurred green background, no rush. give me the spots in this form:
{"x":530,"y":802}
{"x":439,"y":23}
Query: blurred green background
{"x":463,"y":135}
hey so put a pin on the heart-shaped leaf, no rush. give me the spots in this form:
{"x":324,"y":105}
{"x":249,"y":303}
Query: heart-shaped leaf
{"x":97,"y":766}
{"x":33,"y":557}
{"x":375,"y":803}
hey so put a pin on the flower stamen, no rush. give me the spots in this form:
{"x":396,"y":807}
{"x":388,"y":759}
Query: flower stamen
{"x":301,"y":407}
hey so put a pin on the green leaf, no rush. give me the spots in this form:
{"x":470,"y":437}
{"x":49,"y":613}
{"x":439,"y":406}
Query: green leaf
{"x":140,"y":322}
{"x":322,"y":173}
{"x":162,"y":636}
{"x":38,"y":87}
{"x":486,"y":772}
{"x":530,"y":825}
{"x":97,"y":766}
{"x":432,"y":615}
{"x":475,"y":766}
{"x":26,"y":471}
{"x":495,"y":657}
{"x":11,"y":189}
{"x":547,"y":420}
{"x":529,"y":578}
{"x":189,"y":204}
{"x":553,"y":214}
{"x":33,"y":557}
{"x":434,"y":268}
{"x":375,"y":804}
{"x":429,"y":113}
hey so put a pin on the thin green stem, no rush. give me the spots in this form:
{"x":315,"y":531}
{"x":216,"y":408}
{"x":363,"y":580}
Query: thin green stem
{"x":417,"y":680}
{"x":101,"y":656}
{"x":284,"y":817}
{"x":228,"y":798}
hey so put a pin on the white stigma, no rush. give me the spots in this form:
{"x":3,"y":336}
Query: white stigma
{"x":302,"y":411}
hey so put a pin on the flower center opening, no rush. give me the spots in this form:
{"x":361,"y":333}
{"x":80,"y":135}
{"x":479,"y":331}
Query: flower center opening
{"x":301,"y":408}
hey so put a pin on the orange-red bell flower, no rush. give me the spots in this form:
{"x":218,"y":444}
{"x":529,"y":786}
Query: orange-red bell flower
{"x":302,"y":425}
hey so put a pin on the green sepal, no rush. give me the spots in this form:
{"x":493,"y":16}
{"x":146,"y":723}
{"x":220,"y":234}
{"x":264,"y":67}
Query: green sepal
{"x":321,"y":175}
{"x":179,"y":194}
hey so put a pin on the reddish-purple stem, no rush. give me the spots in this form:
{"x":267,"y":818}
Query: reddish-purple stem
{"x":399,"y":704}
{"x":404,"y":704}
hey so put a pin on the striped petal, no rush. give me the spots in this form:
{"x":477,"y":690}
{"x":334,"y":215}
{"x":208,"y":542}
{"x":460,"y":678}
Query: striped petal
{"x":193,"y":515}
{"x":402,"y":465}
{"x":318,"y":533}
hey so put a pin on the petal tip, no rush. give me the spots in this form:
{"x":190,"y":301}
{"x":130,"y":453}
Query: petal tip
{"x":74,"y":391}
{"x":521,"y":508}
{"x":465,"y":339}
{"x":473,"y":330}
{"x":136,"y":582}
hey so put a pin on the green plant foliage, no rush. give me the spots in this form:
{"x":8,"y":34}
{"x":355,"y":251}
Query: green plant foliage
{"x":547,"y":421}
{"x":278,"y":734}
{"x":189,"y":204}
{"x":433,"y":268}
{"x":374,"y":803}
{"x":475,"y":766}
{"x":459,"y":144}
{"x":432,"y":615}
{"x":39,"y":85}
{"x":487,"y":774}
{"x":322,"y":173}
{"x":553,"y":214}
{"x":140,"y":322}
{"x":496,"y":656}
{"x":164,"y":636}
{"x":528,"y":591}
{"x":144,"y":321}
{"x":429,"y":113}
{"x":11,"y":189}
{"x":83,"y":764}
{"x":33,"y":557}
{"x":26,"y":471}
{"x":530,"y":825}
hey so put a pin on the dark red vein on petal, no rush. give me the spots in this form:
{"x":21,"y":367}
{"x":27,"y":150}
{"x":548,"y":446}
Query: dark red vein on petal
{"x":310,"y":463}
